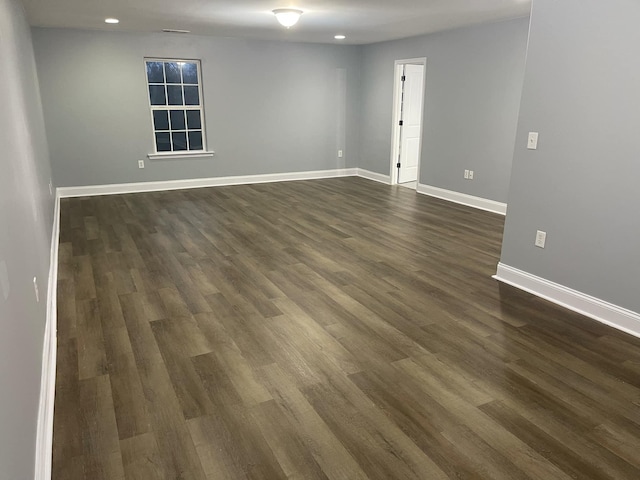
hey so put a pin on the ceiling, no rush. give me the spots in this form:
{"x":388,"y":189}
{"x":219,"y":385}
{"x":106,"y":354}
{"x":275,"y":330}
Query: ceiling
{"x":362,"y":21}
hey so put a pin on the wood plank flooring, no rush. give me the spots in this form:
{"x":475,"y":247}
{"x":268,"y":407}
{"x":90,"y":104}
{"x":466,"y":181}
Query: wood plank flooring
{"x":330,"y":329}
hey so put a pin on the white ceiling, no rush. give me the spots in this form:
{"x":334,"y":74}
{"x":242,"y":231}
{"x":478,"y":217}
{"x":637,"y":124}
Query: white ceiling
{"x":362,"y":21}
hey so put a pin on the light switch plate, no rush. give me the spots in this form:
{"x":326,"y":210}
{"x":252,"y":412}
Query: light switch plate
{"x":532,"y":143}
{"x":35,"y":289}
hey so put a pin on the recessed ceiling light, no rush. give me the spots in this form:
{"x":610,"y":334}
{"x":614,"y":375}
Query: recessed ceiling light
{"x":111,"y":20}
{"x":339,"y":37}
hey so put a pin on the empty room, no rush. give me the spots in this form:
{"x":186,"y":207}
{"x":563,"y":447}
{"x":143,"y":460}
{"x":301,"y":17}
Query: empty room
{"x":319,"y":240}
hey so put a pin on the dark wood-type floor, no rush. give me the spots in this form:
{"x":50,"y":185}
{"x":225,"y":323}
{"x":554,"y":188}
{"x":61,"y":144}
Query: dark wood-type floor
{"x":331,"y":329}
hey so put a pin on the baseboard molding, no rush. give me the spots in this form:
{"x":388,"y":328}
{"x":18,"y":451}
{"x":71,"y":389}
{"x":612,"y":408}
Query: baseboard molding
{"x":463,"y":199}
{"x":140,"y":187}
{"x":44,"y":439}
{"x":376,"y":177}
{"x":617,"y":317}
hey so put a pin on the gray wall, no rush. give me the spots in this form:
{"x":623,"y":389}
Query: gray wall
{"x":270,"y":107}
{"x":474,"y":81}
{"x":581,"y":93}
{"x":26,"y":215}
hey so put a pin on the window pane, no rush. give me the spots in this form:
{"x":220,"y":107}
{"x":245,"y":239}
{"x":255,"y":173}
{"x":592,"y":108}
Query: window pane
{"x":175,"y":94}
{"x":193,"y":119}
{"x":160,"y":120}
{"x":177,"y":120}
{"x":179,"y":141}
{"x":155,"y":74}
{"x":172,"y":71}
{"x":163,"y":142}
{"x":190,"y":73}
{"x":156,"y":95}
{"x":195,"y":140}
{"x":191,"y":96}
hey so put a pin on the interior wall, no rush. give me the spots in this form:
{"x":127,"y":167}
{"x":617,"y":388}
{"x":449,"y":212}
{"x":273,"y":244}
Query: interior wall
{"x":474,"y":81}
{"x":270,"y":107}
{"x":581,"y":95}
{"x":26,"y":218}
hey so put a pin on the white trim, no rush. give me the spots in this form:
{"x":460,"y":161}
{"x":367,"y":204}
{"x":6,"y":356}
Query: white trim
{"x":463,"y":199}
{"x":617,"y":317}
{"x":395,"y":118}
{"x":44,"y":439}
{"x":185,"y":154}
{"x":375,"y":176}
{"x":140,"y":187}
{"x":395,"y":121}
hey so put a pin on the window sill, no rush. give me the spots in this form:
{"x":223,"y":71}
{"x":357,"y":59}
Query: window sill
{"x":172,"y":155}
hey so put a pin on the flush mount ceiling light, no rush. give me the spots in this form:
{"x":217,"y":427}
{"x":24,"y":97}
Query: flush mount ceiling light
{"x":111,"y":20}
{"x":339,"y":37}
{"x":287,"y":17}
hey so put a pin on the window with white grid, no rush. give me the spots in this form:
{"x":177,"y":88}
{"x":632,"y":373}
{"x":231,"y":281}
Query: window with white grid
{"x":175,"y":99}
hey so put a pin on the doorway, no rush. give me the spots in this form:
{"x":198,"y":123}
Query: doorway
{"x":408,"y":108}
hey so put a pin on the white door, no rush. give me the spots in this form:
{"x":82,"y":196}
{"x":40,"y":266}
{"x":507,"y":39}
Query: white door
{"x":411,"y":118}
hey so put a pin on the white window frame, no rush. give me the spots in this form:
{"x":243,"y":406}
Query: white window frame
{"x":180,"y":153}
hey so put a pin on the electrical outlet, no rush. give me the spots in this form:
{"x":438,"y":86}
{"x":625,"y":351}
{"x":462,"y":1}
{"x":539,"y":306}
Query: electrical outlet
{"x":466,"y":174}
{"x":541,"y":239}
{"x":339,"y":153}
{"x":140,"y":163}
{"x":532,"y":142}
{"x":5,"y":286}
{"x":470,"y":174}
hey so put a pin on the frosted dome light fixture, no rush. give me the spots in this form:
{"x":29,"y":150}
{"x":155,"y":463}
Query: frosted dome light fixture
{"x":287,"y":17}
{"x":111,"y":20}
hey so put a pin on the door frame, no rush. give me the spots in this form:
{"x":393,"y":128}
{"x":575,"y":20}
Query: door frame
{"x":395,"y":129}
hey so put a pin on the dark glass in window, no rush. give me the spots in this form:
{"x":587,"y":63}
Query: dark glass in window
{"x":191,"y":96}
{"x":160,"y":120}
{"x":179,"y":141}
{"x":190,"y":73}
{"x":177,"y":120}
{"x":175,"y":94}
{"x":163,"y":142}
{"x":155,"y":73}
{"x":172,"y":71}
{"x":195,"y":140}
{"x":156,"y":95}
{"x":193,"y":119}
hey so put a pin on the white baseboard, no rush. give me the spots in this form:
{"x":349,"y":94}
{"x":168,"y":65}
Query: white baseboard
{"x":119,"y":188}
{"x":463,"y":199}
{"x":617,"y":317}
{"x":376,"y":177}
{"x":44,"y":438}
